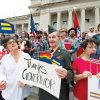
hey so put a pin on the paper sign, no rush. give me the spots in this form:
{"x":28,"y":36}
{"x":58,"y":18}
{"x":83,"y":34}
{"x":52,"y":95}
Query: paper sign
{"x":94,"y":88}
{"x":42,"y":75}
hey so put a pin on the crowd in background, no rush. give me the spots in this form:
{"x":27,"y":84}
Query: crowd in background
{"x":34,"y":44}
{"x":78,"y":50}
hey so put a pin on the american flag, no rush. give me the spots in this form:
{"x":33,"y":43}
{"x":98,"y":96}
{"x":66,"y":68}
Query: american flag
{"x":32,"y":25}
{"x":95,"y":61}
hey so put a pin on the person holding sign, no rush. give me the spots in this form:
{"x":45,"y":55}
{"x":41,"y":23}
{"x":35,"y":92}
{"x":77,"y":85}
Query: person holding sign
{"x":2,"y":53}
{"x":65,"y":72}
{"x":84,"y":68}
{"x":11,"y":86}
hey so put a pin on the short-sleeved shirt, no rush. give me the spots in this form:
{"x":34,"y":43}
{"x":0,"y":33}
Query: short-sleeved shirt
{"x":9,"y":72}
{"x":80,"y":65}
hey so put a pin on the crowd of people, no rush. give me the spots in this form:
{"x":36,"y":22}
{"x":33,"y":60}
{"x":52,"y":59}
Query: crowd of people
{"x":74,"y":52}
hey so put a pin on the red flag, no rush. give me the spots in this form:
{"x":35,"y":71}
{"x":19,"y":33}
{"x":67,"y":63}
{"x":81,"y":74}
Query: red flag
{"x":76,"y":24}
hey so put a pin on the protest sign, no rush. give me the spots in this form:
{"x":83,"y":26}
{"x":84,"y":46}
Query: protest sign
{"x":94,"y":88}
{"x":42,"y":75}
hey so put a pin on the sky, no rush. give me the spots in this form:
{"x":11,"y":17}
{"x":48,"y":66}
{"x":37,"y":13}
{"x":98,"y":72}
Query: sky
{"x":12,"y":8}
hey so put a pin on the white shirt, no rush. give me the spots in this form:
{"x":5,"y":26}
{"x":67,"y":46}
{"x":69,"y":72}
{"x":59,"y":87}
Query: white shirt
{"x":9,"y":72}
{"x":90,"y":35}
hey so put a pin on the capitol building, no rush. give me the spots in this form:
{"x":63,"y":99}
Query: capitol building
{"x":59,"y":14}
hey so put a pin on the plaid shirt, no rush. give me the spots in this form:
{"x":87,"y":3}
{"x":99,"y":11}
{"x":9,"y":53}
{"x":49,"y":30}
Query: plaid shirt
{"x":39,"y":46}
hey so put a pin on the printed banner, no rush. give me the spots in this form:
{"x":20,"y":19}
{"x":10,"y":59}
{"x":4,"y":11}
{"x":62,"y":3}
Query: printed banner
{"x":6,"y":27}
{"x":93,"y":88}
{"x":42,"y":75}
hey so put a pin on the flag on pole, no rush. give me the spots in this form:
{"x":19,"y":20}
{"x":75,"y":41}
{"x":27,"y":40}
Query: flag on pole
{"x":32,"y":26}
{"x":76,"y":24}
{"x":6,"y":27}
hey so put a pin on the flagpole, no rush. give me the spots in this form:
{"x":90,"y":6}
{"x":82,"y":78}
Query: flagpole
{"x":29,"y":24}
{"x":76,"y":24}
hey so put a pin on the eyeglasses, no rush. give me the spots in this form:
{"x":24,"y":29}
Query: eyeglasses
{"x":10,"y":42}
{"x":91,"y":28}
{"x":91,"y":47}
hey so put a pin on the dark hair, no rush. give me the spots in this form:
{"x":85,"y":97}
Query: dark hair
{"x":39,"y":32}
{"x":3,"y":35}
{"x":98,"y":27}
{"x":91,"y":41}
{"x":5,"y":40}
{"x":16,"y":36}
{"x":71,"y":29}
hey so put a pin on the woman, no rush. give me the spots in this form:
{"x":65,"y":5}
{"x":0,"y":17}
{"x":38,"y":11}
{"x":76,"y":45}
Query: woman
{"x":84,"y":68}
{"x":10,"y":84}
{"x":97,"y":37}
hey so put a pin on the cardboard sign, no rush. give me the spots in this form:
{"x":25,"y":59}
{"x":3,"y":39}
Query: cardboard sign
{"x":42,"y":75}
{"x":94,"y":88}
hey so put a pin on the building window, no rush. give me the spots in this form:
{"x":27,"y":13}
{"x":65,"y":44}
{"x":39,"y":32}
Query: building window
{"x":55,"y":24}
{"x":64,"y":23}
{"x":87,"y":20}
{"x":36,"y":26}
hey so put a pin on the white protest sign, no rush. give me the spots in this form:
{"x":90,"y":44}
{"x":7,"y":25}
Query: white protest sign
{"x":93,"y":88}
{"x":42,"y":75}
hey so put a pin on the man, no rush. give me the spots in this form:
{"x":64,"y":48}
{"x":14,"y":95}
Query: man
{"x":75,"y":43}
{"x":91,"y":33}
{"x":39,"y":45}
{"x":62,"y":37}
{"x":10,"y":84}
{"x":2,"y":36}
{"x":65,"y":73}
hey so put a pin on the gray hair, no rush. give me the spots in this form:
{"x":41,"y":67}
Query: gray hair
{"x":57,"y":33}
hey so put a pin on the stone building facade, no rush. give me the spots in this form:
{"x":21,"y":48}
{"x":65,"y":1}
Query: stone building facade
{"x":59,"y":13}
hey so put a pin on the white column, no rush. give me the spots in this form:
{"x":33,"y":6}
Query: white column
{"x":82,"y":19}
{"x":58,"y":20}
{"x":49,"y":18}
{"x":96,"y":16}
{"x":69,"y":19}
{"x":45,"y":20}
{"x":22,"y":27}
{"x":29,"y":30}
